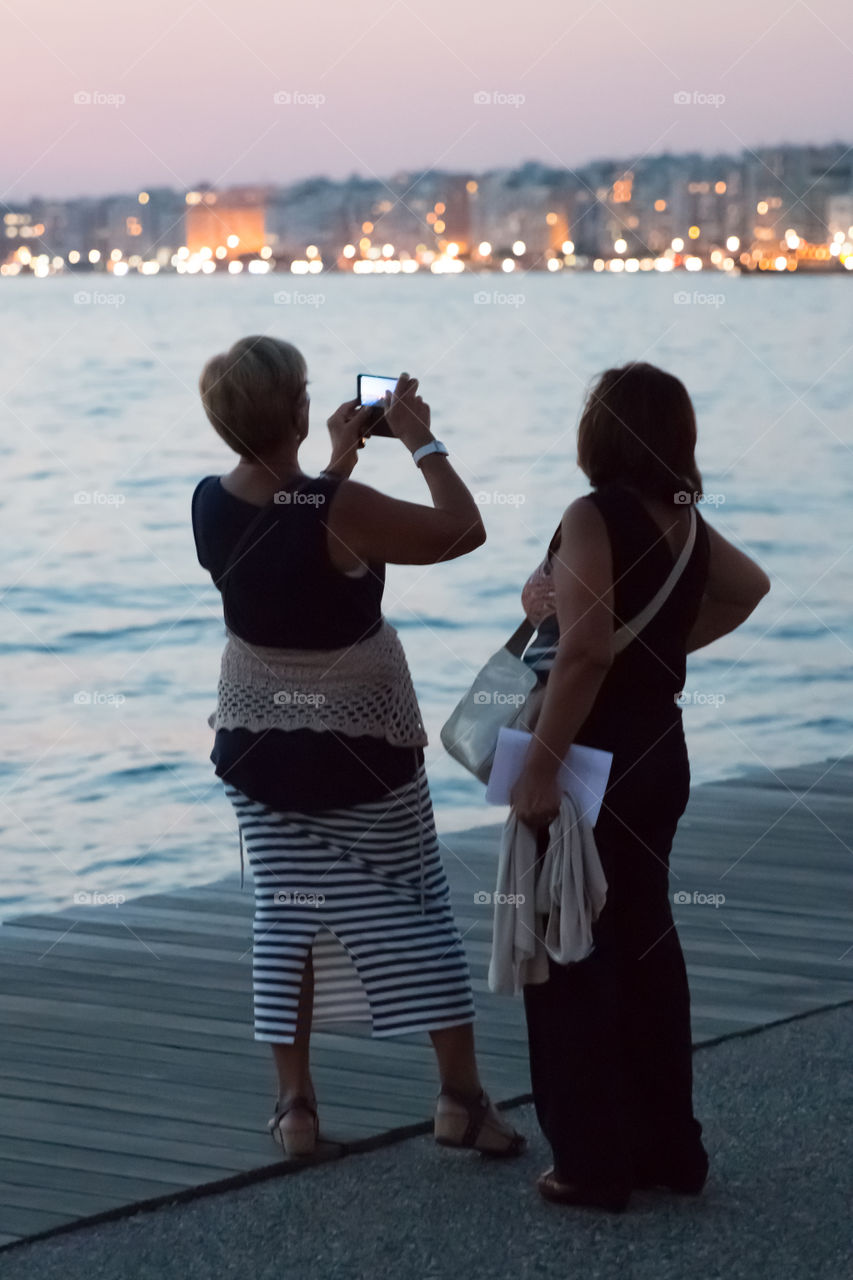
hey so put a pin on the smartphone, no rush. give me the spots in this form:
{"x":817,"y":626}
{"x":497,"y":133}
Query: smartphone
{"x":371,"y":390}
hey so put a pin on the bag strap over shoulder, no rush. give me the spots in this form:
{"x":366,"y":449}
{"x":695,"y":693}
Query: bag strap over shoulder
{"x":623,"y":636}
{"x":520,"y":638}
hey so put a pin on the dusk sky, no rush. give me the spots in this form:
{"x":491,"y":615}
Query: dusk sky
{"x":184,"y":92}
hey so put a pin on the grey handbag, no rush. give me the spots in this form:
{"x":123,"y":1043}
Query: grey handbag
{"x":496,"y":700}
{"x":500,"y":697}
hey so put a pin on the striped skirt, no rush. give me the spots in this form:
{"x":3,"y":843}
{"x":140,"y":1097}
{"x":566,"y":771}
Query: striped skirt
{"x":363,"y":892}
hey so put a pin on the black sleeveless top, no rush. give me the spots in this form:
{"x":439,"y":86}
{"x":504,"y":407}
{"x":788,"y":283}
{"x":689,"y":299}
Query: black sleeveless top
{"x":282,"y":590}
{"x":636,"y":714}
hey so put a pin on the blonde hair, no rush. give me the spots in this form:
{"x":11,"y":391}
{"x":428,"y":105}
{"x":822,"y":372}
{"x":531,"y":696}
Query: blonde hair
{"x":251,"y":393}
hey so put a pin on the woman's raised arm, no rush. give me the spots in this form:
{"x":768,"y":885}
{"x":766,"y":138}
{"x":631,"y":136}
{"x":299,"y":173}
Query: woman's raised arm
{"x":364,"y":524}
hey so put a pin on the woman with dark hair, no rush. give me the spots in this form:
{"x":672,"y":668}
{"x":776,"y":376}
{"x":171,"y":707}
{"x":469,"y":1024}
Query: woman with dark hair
{"x":319,"y":740}
{"x":609,"y":1037}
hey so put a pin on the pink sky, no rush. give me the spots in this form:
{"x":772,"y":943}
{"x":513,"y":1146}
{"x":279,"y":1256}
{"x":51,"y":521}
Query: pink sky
{"x":394,"y":86}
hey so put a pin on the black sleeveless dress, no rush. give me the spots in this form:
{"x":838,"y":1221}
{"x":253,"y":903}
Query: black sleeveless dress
{"x":610,"y":1044}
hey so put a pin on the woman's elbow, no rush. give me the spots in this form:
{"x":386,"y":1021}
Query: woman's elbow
{"x":473,"y":535}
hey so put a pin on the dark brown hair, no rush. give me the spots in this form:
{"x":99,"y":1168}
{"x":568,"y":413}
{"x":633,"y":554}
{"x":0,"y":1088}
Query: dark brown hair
{"x":638,"y":428}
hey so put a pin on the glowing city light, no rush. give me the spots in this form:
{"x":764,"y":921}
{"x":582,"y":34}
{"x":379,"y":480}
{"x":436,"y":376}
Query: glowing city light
{"x":472,"y":187}
{"x":312,"y":251}
{"x":74,"y":256}
{"x":568,"y":246}
{"x":349,"y":251}
{"x":234,"y":268}
{"x":733,"y":244}
{"x":508,"y":265}
{"x":143,"y":197}
{"x":94,"y":255}
{"x":762,"y":206}
{"x":232,"y":241}
{"x":694,"y":233}
{"x":660,"y":205}
{"x":620,"y":245}
{"x":678,"y":244}
{"x":720,"y":188}
{"x":551,"y":219}
{"x":484,"y":249}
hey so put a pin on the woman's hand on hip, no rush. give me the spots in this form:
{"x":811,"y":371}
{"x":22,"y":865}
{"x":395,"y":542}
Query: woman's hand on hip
{"x":347,"y":427}
{"x":536,"y":798}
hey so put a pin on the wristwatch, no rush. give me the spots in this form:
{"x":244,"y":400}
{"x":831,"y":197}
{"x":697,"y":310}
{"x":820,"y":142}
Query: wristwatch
{"x":434,"y":446}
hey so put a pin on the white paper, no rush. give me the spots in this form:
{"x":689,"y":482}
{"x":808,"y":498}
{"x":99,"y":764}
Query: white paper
{"x":583,"y":773}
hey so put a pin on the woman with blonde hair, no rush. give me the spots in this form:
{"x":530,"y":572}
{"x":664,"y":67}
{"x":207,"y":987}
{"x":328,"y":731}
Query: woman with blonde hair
{"x":319,"y":739}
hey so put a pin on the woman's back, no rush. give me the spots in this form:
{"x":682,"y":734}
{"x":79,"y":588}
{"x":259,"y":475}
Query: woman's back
{"x":637,"y":702}
{"x":281,"y":589}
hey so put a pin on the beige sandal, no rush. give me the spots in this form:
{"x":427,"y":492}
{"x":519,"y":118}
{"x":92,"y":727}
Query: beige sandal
{"x":296,"y":1139}
{"x":473,"y":1124}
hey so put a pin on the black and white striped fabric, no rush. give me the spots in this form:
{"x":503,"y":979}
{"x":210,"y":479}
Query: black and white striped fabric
{"x":363,"y":890}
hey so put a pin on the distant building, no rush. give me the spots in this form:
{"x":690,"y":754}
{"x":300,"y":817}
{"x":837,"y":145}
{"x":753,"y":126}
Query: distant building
{"x":234,"y":221}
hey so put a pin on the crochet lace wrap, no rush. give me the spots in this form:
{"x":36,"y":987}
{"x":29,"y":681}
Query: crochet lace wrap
{"x":364,"y":689}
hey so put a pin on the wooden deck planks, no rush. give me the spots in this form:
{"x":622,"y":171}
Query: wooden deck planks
{"x":129,"y":1071}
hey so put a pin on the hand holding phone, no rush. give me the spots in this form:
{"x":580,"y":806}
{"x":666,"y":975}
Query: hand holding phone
{"x":401,"y":411}
{"x":373,"y":388}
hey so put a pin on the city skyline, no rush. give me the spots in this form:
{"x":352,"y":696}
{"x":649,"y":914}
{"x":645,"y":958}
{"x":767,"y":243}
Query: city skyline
{"x":204,"y":93}
{"x":783,"y":209}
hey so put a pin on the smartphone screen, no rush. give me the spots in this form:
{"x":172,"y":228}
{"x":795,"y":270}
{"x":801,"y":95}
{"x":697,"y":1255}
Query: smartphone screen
{"x":372,"y":387}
